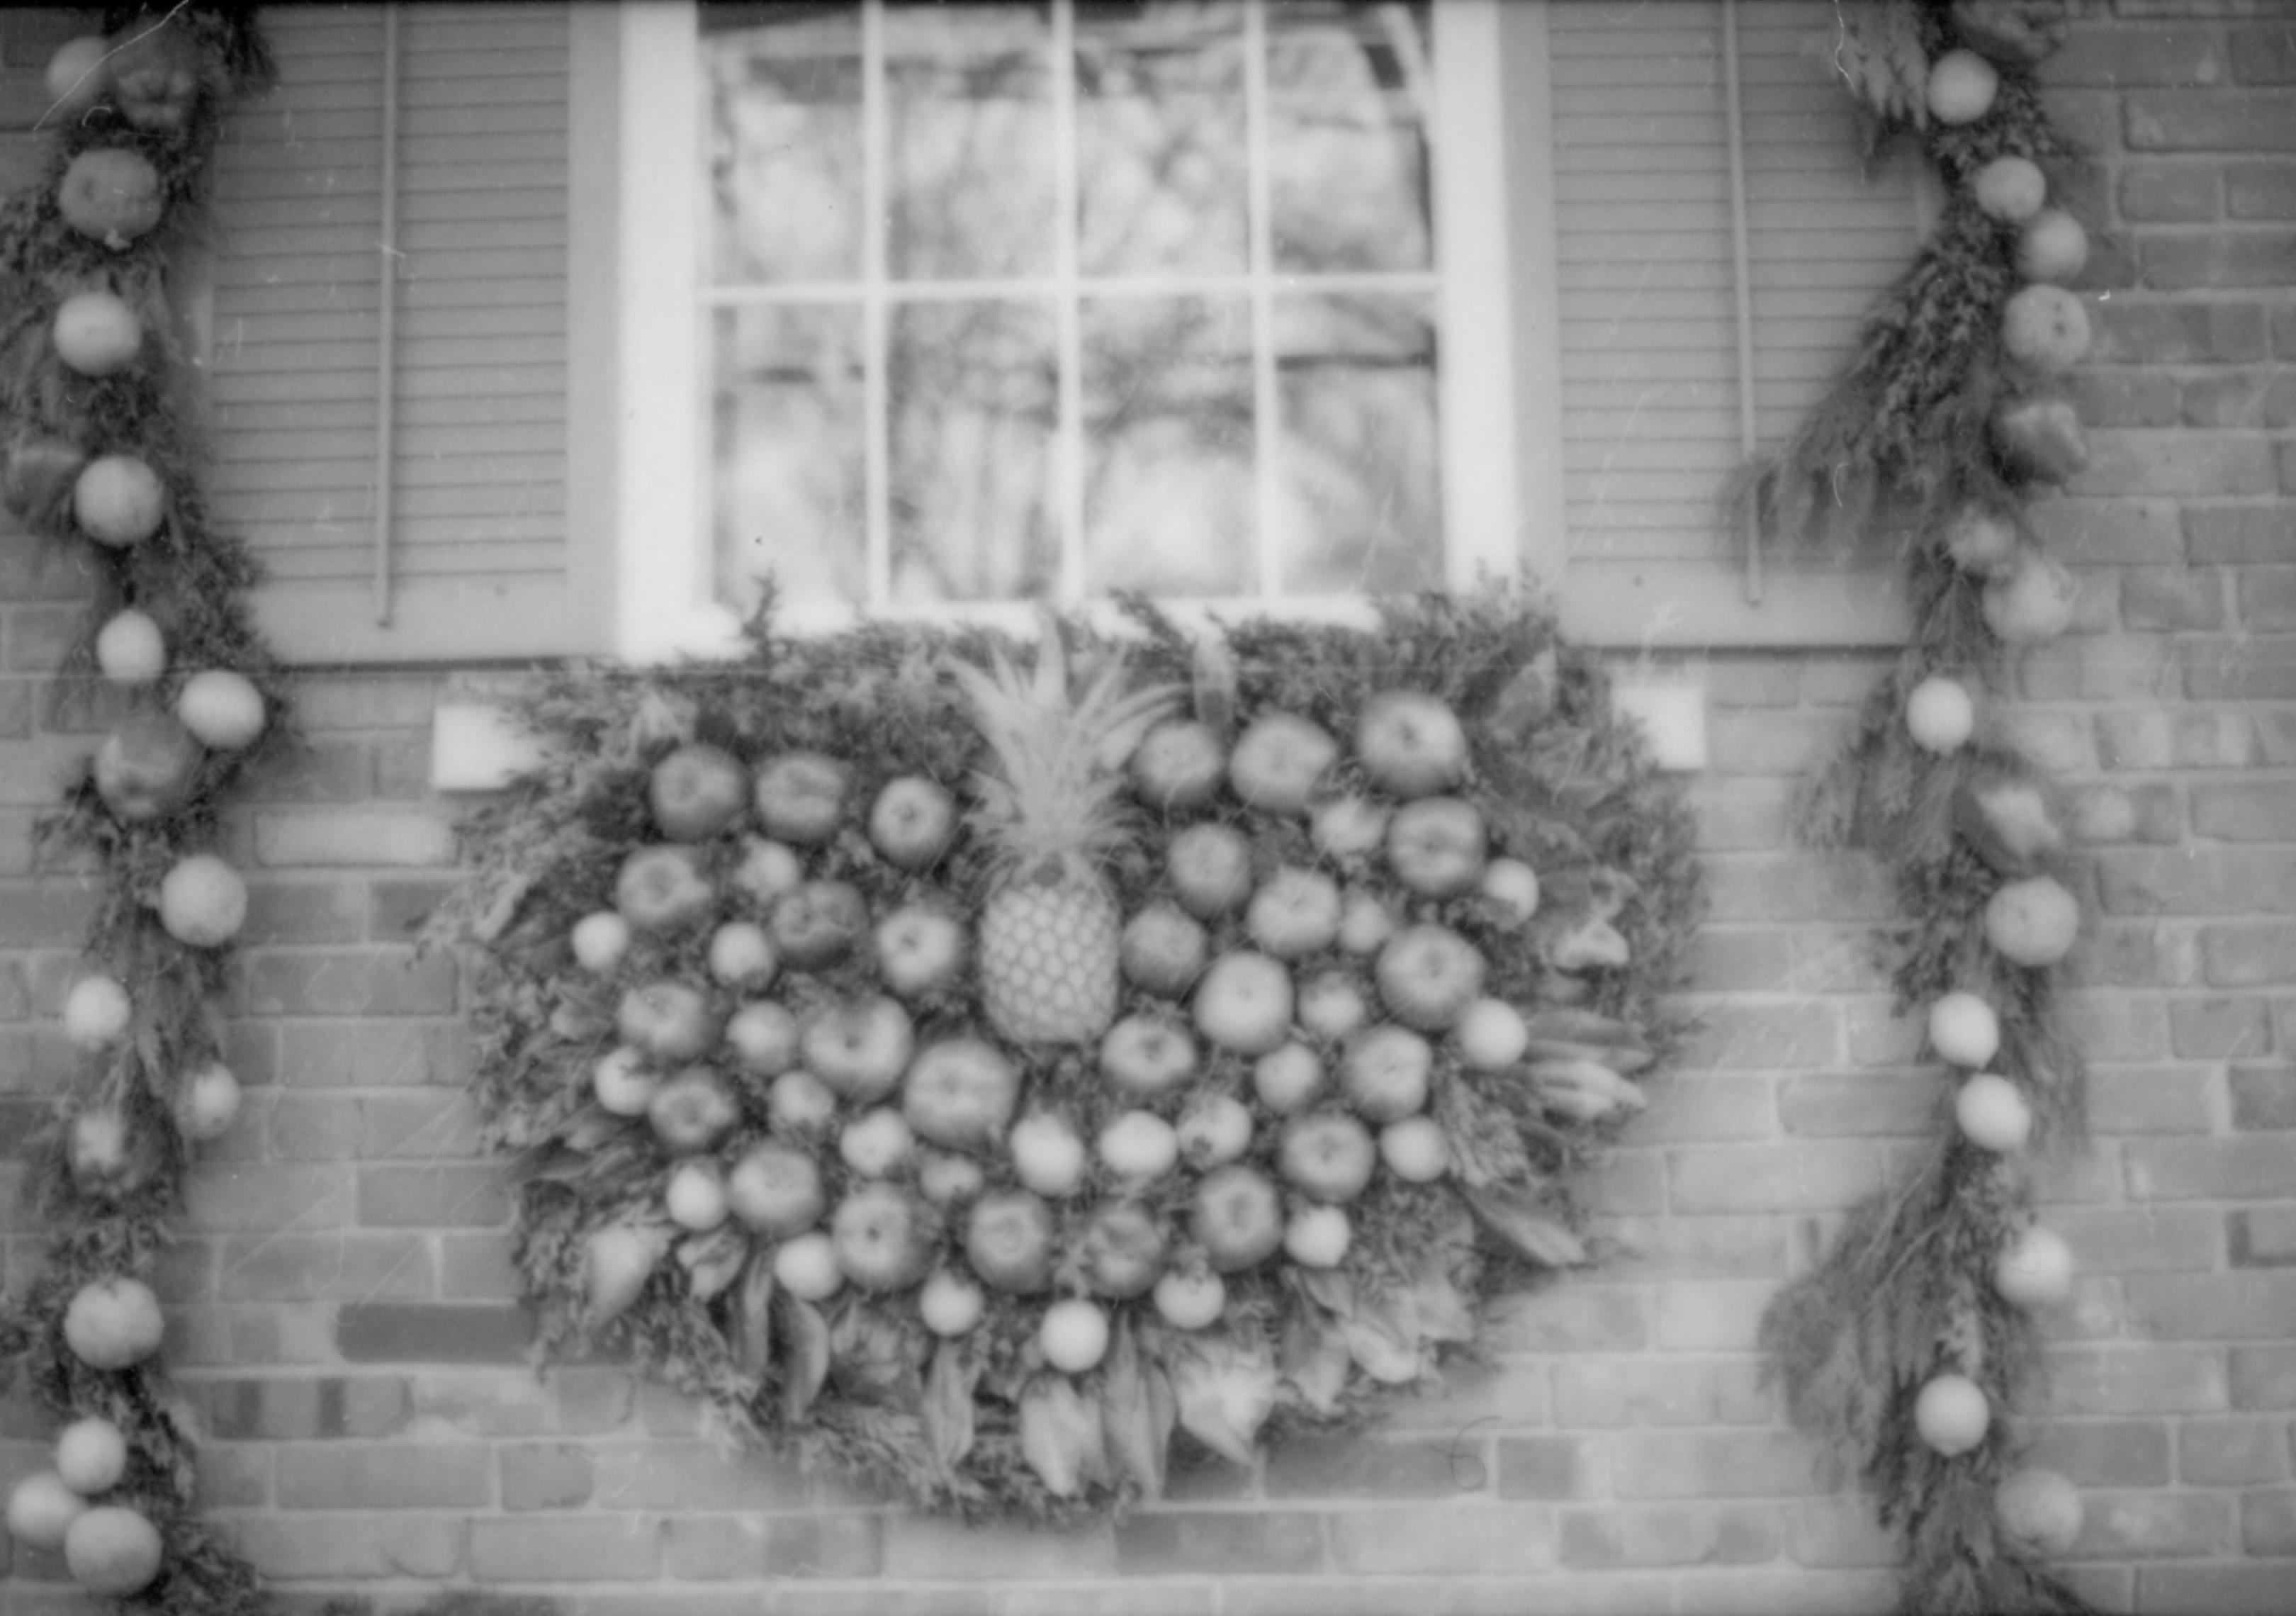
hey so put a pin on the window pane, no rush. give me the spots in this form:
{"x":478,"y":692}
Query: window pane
{"x":1348,"y":156}
{"x":1168,"y":409}
{"x":969,"y":92}
{"x":784,"y":146}
{"x":1160,"y":138}
{"x":1361,"y":467}
{"x":786,"y":453}
{"x":974,"y":405}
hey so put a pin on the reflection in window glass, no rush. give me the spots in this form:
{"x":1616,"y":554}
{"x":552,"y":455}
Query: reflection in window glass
{"x":787,"y":440}
{"x":1160,"y":144}
{"x":1347,"y":155}
{"x":1167,"y":415}
{"x":970,"y":97}
{"x":1360,"y":463}
{"x":973,"y":404}
{"x":784,"y":193}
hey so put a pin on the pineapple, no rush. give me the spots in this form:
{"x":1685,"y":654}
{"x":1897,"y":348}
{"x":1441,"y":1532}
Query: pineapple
{"x":1050,"y":811}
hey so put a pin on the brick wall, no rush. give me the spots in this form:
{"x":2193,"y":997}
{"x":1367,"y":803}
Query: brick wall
{"x":343,"y":1308}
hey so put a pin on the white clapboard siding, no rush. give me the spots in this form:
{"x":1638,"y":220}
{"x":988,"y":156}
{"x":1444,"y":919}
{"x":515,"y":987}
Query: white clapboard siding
{"x":1649,"y":335}
{"x":479,"y":555}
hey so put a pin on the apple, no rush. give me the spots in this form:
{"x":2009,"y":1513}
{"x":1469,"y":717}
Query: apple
{"x":797,"y":1101}
{"x":1210,"y":868}
{"x":1008,"y":1240}
{"x":1317,"y":1236}
{"x":1296,"y":913}
{"x":1139,"y":1146}
{"x":1146,"y":1055}
{"x":667,"y":1020}
{"x":206,"y":1099}
{"x":41,"y":1510}
{"x":806,"y":1265}
{"x":1163,"y":950}
{"x":768,"y":870}
{"x":1073,"y":1336}
{"x":1190,"y":1301}
{"x":883,"y":1238}
{"x":1214,"y":1131}
{"x":763,"y":1035}
{"x":600,"y":940}
{"x":875,"y":1143}
{"x":920,"y":948}
{"x":1178,"y":765}
{"x":1124,"y":1249}
{"x":859,"y":1047}
{"x":800,"y":796}
{"x":101,"y":1163}
{"x":1287,"y":1078}
{"x":946,"y":1179}
{"x":1347,"y":827}
{"x":662,"y":888}
{"x":740,"y":955}
{"x":816,"y":923}
{"x":695,"y":1195}
{"x":1490,"y":1036}
{"x":145,"y":768}
{"x":1244,"y":1003}
{"x":950,"y":1304}
{"x":130,"y":650}
{"x":1411,"y":743}
{"x":91,"y":1456}
{"x":1278,"y":761}
{"x":1510,"y":890}
{"x":1237,"y":1217}
{"x":696,"y":791}
{"x":775,"y":1189}
{"x":1327,"y":1156}
{"x":1047,"y":1155}
{"x":622,"y":1082}
{"x":1437,"y":846}
{"x":1415,"y":1149}
{"x":222,"y":708}
{"x":1330,"y":1006}
{"x":960,"y":1092}
{"x":694,"y":1111}
{"x":1428,"y":975}
{"x":1366,"y":922}
{"x":913,"y":821}
{"x":1384,"y":1073}
{"x":96,"y":1013}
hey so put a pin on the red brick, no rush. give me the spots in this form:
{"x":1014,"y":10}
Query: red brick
{"x":2142,"y":1378}
{"x":312,"y":1127}
{"x":932,"y":1546}
{"x":675,"y":1476}
{"x":581,"y":1401}
{"x":439,"y":1195}
{"x":2264,"y":1237}
{"x":1654,"y":1390}
{"x":2263,"y":1377}
{"x":1773,"y":1178}
{"x":338,"y":1266}
{"x":2245,"y":1589}
{"x":2171,"y":599}
{"x":1669,"y":1534}
{"x":2263,"y":53}
{"x":364,"y":700}
{"x":2107,"y":1452}
{"x":2261,"y":191}
{"x":263,"y":1199}
{"x":536,"y":1475}
{"x":2267,"y":1521}
{"x":1801,"y":885}
{"x":1765,"y":743}
{"x":2183,"y":462}
{"x":2167,"y":738}
{"x":424,"y":1125}
{"x":2123,"y":1526}
{"x":382,"y":1054}
{"x":318,"y":771}
{"x":2131,"y":54}
{"x":2219,"y":258}
{"x":338,"y":838}
{"x":2264,"y":1097}
{"x":2232,"y":1453}
{"x":1741,"y":1034}
{"x":2256,"y":955}
{"x":1704,"y":1108}
{"x":292,"y":1548}
{"x":45,"y":913}
{"x":2212,"y":879}
{"x":1538,"y":1467}
{"x":2241,"y":533}
{"x":2131,"y":331}
{"x":1703,"y":1247}
{"x":2214,"y":1306}
{"x":398,"y":1333}
{"x":2203,"y":120}
{"x":1360,"y":1467}
{"x":2246,"y":810}
{"x":2116,"y":1027}
{"x":2252,"y":1167}
{"x":385,"y":1475}
{"x":304,"y":912}
{"x":2267,"y":598}
{"x":2120,"y":1240}
{"x":722,"y":1548}
{"x":2150,"y":1100}
{"x":302,"y":1408}
{"x":594,"y":1549}
{"x":337,"y":981}
{"x":1876,"y":1105}
{"x":479,"y":1267}
{"x":2220,"y":1029}
{"x":2168,"y":193}
{"x":1714,"y":1465}
{"x":1220,"y":1543}
{"x":1839,"y":1532}
{"x":1740,"y":814}
{"x":2240,"y":669}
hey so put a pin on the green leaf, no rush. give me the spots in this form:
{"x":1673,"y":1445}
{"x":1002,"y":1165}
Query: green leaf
{"x":1061,"y":1436}
{"x":752,"y":1332}
{"x":1137,"y":1411}
{"x":805,"y":1356}
{"x":713,"y":1261}
{"x":1226,"y":1393}
{"x":1314,"y":1358}
{"x":948,"y":1408}
{"x":1517,"y":1220}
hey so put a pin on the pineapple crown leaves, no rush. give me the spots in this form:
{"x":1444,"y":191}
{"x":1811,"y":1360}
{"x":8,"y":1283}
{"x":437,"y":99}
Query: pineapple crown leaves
{"x":1053,"y":791}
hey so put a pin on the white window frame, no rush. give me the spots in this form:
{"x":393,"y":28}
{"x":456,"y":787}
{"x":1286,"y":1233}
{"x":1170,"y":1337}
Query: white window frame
{"x":1502,"y":506}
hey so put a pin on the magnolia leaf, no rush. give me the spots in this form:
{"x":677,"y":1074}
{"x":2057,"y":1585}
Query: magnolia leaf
{"x":712,"y":1262}
{"x":1443,"y":1312}
{"x":1137,"y":1412}
{"x":1214,"y":682}
{"x":617,"y":1260}
{"x":804,"y":1355}
{"x":1331,"y":1288}
{"x":948,"y":1408}
{"x":1225,"y":1394}
{"x":1061,"y":1436}
{"x":1383,"y":1336}
{"x":751,"y":1324}
{"x":872,"y":1354}
{"x":1515,"y":1219}
{"x":1314,"y":1358}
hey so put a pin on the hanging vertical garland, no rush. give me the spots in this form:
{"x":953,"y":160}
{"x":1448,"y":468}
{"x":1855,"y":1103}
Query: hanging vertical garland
{"x":1909,"y":1347}
{"x":100,"y":459}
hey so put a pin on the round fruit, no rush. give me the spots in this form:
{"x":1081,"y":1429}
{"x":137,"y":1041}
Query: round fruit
{"x":156,"y":71}
{"x":2032,"y":922}
{"x":1415,"y":1149}
{"x":1244,"y":1003}
{"x":818,"y":925}
{"x":96,"y":1013}
{"x":78,"y":74}
{"x":697,"y":790}
{"x":1210,"y":868}
{"x":692,"y":1111}
{"x":36,"y":478}
{"x":1287,"y":1078}
{"x":875,"y":1143}
{"x":859,"y":1047}
{"x":1147,"y":1055}
{"x":1278,"y":761}
{"x":96,"y":333}
{"x":662,"y":889}
{"x":1347,"y":827}
{"x":1951,"y":1413}
{"x":119,"y":501}
{"x":740,"y":955}
{"x":1178,"y":765}
{"x":114,"y":1552}
{"x":1214,"y":1131}
{"x":2045,"y":327}
{"x":1296,"y":913}
{"x":1962,"y":87}
{"x":600,"y":939}
{"x":1330,"y":1007}
{"x":806,"y":1264}
{"x":129,"y":649}
{"x":1008,"y":1240}
{"x":668,"y":1020}
{"x":1981,"y":541}
{"x":1428,"y":975}
{"x":1491,"y":1036}
{"x":1365,"y":924}
{"x":951,"y":1304}
{"x":111,"y":194}
{"x":1190,"y":1302}
{"x":800,"y":797}
{"x":2038,"y":1511}
{"x":1327,"y":1156}
{"x":1047,"y":1155}
{"x":882,"y":1239}
{"x":1123,"y":1250}
{"x":775,"y":1189}
{"x":1074,"y":1335}
{"x":1438,"y":846}
{"x":91,"y":1456}
{"x":919,"y":948}
{"x":202,"y":902}
{"x":1411,"y":743}
{"x":2054,"y":248}
{"x":2010,"y":189}
{"x":113,"y":1324}
{"x":946,"y":1178}
{"x":1992,"y":1114}
{"x":768,"y":870}
{"x":765,"y":1037}
{"x":1939,"y":715}
{"x":1237,"y":1217}
{"x":960,"y":1092}
{"x":145,"y":768}
{"x":104,"y":1159}
{"x":622,"y":1083}
{"x":913,"y":821}
{"x":1963,"y":1030}
{"x":206,"y":1099}
{"x":1317,"y":1236}
{"x":695,"y":1195}
{"x":1384,"y":1073}
{"x":223,"y":709}
{"x":1509,"y":889}
{"x":1139,"y":1146}
{"x":41,"y":1511}
{"x":2035,"y":1269}
{"x":1163,"y":950}
{"x":2032,"y":602}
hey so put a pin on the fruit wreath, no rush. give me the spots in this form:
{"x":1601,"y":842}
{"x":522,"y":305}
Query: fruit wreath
{"x":969,"y":1063}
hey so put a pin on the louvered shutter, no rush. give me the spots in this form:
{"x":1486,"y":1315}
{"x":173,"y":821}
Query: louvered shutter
{"x":1649,"y":336}
{"x":478,"y":560}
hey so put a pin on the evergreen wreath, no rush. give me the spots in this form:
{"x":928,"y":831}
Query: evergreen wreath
{"x":99,"y":459}
{"x":970,"y":1078}
{"x":1909,"y":1348}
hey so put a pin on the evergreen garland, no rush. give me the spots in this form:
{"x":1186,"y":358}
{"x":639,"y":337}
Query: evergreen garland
{"x":93,"y":396}
{"x":1911,"y":1346}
